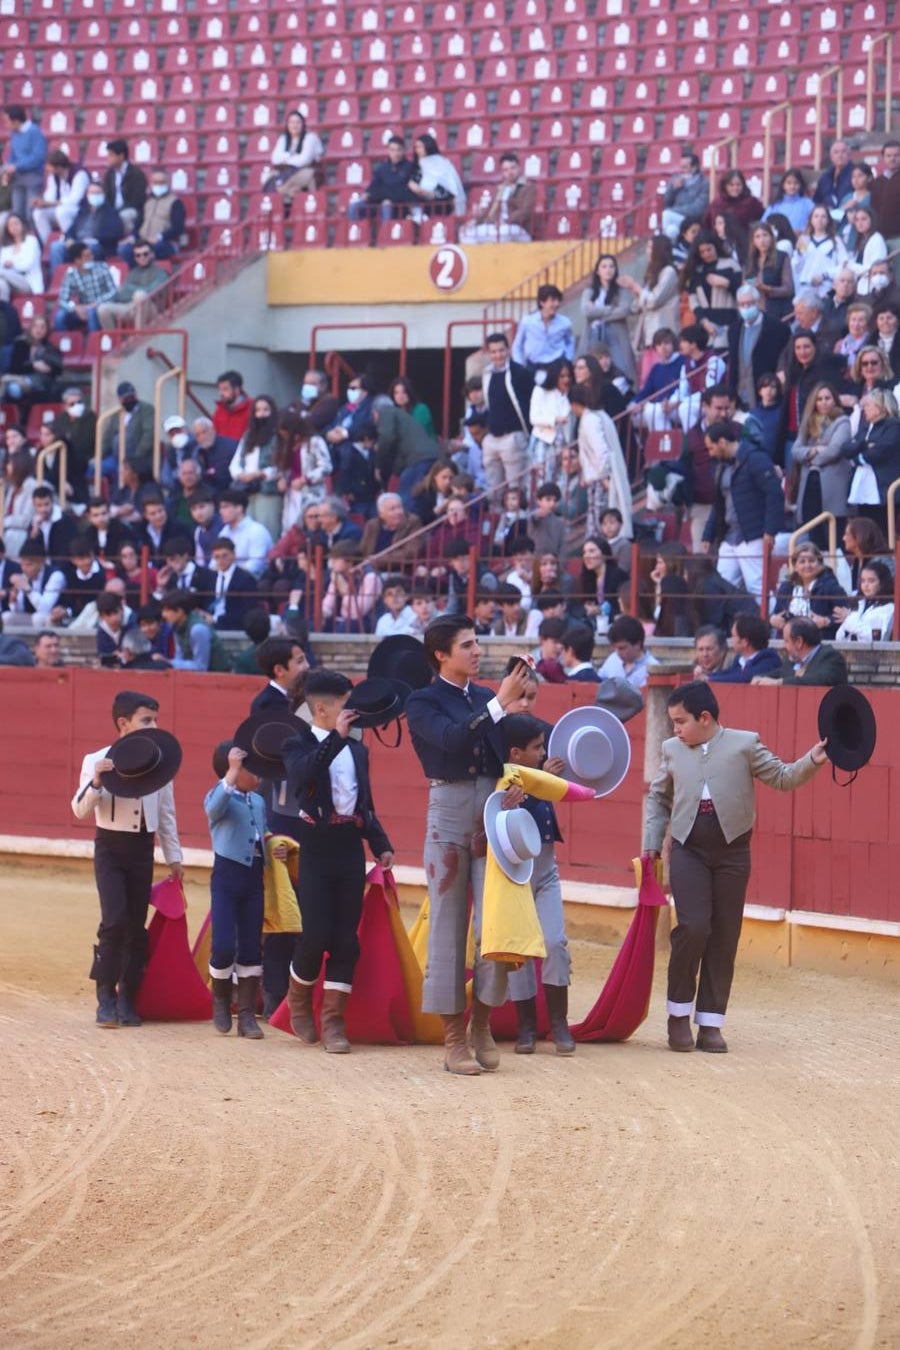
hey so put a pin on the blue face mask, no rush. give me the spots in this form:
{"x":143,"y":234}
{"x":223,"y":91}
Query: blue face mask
{"x":749,"y":313}
{"x":309,"y":393}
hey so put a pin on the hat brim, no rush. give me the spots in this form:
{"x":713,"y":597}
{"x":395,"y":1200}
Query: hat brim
{"x":611,"y":726}
{"x":520,"y":873}
{"x":383,"y":716}
{"x":142,"y":785}
{"x":847,"y":723}
{"x":401,"y":657}
{"x":619,"y":697}
{"x":265,"y":766}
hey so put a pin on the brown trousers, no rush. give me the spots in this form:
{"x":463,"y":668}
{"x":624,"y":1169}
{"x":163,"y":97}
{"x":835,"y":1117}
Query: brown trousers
{"x":709,"y":882}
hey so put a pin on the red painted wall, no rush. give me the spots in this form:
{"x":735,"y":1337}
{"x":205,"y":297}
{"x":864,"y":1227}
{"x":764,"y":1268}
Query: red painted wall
{"x":823,"y":848}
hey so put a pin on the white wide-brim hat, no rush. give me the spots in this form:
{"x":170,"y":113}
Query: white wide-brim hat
{"x":594,"y":746}
{"x":514,"y":838}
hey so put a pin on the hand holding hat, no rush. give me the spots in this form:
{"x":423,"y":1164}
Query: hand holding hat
{"x":141,"y":763}
{"x":847,"y":729}
{"x":594,"y":746}
{"x":263,"y":738}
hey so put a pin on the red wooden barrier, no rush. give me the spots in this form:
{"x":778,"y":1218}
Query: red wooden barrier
{"x":822,"y":848}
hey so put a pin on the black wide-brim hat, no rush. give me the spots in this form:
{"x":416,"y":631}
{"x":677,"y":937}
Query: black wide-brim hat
{"x":847,"y":723}
{"x":143,"y":762}
{"x":262,"y":737}
{"x":378,"y":701}
{"x":403,"y":658}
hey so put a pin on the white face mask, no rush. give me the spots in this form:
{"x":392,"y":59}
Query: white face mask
{"x":76,"y":410}
{"x":354,"y":395}
{"x":879,"y":281}
{"x":159,"y":189}
{"x":309,"y":392}
{"x":95,"y":199}
{"x":181,"y":440}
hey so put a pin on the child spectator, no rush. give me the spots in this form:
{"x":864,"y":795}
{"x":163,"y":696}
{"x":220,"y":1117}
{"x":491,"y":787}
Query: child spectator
{"x":484,"y":613}
{"x":158,"y":633}
{"x":237,"y":823}
{"x":399,"y":616}
{"x":548,"y":605}
{"x":549,"y":650}
{"x":348,"y":605}
{"x":628,"y":660}
{"x":659,"y":392}
{"x":577,"y":650}
{"x":111,"y":627}
{"x":546,"y":527}
{"x":612,"y":530}
{"x":423,"y":609}
{"x":521,"y":550}
{"x":512,"y":521}
{"x":513,"y":618}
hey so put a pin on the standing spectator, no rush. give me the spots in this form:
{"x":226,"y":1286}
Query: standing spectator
{"x":251,"y":540}
{"x":835,"y":307}
{"x":216,"y":453}
{"x":507,"y":394}
{"x":859,"y":322}
{"x":508,"y":215}
{"x":803,"y":371}
{"x":603,"y":470}
{"x":18,"y":503}
{"x":303,"y":462}
{"x":131,"y":303}
{"x":824,"y":472}
{"x":656,"y":301}
{"x":737,"y":204}
{"x":233,"y":406}
{"x":435,"y":180}
{"x":294,"y":160}
{"x":887,"y":326}
{"x":869,"y":247}
{"x":388,"y":192}
{"x":810,"y":591}
{"x":86,"y":284}
{"x":686,"y":197}
{"x":550,"y":414}
{"x":138,"y":434}
{"x":20,"y":260}
{"x":125,"y":186}
{"x":755,"y":342}
{"x":873,"y":618}
{"x":355,"y":478}
{"x":769,"y":414}
{"x":97,"y":224}
{"x":316,"y":402}
{"x":710,"y":279}
{"x":404,"y":449}
{"x":356,"y":412}
{"x":876,"y":450}
{"x":403,"y":394}
{"x":770,"y":271}
{"x":62,"y":196}
{"x":836,"y":182}
{"x":886,"y":193}
{"x":544,"y":336}
{"x":748,"y":510}
{"x":253,"y":468}
{"x":605,"y":307}
{"x":26,"y":156}
{"x":819,"y":255}
{"x":163,"y":222}
{"x":573,"y":499}
{"x":546,"y":527}
{"x":791,"y":201}
{"x":612,"y":528}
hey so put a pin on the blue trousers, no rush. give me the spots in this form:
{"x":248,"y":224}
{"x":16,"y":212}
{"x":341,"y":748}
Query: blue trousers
{"x":237,"y":918}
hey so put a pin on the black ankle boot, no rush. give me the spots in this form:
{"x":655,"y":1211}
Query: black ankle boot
{"x":107,"y":1011}
{"x":221,"y":996}
{"x":526,"y":1012}
{"x":128,"y":1016}
{"x":558,"y":1007}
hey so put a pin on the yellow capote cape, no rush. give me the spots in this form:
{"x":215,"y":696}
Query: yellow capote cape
{"x":281,"y":913}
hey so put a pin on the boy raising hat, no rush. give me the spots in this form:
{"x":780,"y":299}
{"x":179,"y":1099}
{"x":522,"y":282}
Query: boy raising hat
{"x":123,"y":846}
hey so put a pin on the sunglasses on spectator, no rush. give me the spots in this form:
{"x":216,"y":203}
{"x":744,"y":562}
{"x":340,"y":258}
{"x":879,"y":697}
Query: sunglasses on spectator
{"x":143,"y":253}
{"x":870,"y":362}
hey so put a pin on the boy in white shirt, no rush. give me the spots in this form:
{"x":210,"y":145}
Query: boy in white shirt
{"x":400,"y":616}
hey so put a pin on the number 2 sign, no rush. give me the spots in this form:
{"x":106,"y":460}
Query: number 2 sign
{"x":448,"y":268}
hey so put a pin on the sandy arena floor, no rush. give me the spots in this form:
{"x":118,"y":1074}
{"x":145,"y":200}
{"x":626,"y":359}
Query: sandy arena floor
{"x":165,"y":1187}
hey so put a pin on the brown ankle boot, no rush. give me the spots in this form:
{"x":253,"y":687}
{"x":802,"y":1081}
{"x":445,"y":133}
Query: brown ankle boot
{"x":711,"y":1040}
{"x":483,"y":1046}
{"x":680,"y":1037}
{"x":247,"y":991}
{"x":221,"y":1004}
{"x":300,"y":1006}
{"x":457,"y":1058}
{"x":334,"y":1037}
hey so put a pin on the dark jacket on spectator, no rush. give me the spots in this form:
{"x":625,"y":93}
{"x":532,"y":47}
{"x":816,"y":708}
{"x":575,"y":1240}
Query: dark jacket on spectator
{"x":765,"y":662}
{"x":402,"y":441}
{"x":755,"y":491}
{"x":103,"y":224}
{"x":769,"y":346}
{"x":134,"y":189}
{"x":389,"y":182}
{"x":826,"y":666}
{"x":880,"y":443}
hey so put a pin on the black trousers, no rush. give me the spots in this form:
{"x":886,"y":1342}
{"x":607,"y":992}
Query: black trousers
{"x":123,"y":867}
{"x":709,"y":882}
{"x":331,"y":877}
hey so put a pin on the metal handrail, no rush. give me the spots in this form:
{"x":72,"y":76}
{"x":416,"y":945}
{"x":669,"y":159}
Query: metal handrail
{"x":809,"y":524}
{"x":103,"y":418}
{"x":713,"y":153}
{"x":888,"y":39}
{"x":155,"y":354}
{"x":824,"y":75}
{"x":176,"y":373}
{"x":332,"y":365}
{"x":787,"y":107}
{"x":356,"y":327}
{"x":61,"y":449}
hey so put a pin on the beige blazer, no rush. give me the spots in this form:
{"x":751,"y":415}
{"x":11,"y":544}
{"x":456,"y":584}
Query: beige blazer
{"x":733,"y":759}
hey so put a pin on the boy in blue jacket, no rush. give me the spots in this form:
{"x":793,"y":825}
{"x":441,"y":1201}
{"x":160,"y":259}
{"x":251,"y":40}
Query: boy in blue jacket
{"x":237,"y":822}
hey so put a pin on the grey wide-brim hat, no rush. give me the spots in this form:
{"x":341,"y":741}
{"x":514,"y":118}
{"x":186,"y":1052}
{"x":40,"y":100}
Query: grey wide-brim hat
{"x":594,"y":746}
{"x":514,"y":838}
{"x":619,"y":697}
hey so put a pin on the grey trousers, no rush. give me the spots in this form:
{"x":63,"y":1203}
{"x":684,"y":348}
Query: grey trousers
{"x":557,"y":964}
{"x":505,"y":459}
{"x":454,"y":816}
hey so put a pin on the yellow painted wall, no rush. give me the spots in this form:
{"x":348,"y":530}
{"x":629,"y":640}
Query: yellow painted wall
{"x":368,"y":276}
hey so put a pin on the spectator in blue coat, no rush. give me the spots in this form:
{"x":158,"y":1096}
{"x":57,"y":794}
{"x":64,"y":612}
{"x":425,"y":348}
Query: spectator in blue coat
{"x":388,"y":193}
{"x":748,"y":509}
{"x":26,"y":157}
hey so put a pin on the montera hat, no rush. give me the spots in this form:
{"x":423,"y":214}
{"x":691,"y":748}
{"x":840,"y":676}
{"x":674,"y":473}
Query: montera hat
{"x":401,"y":657}
{"x":143,"y":762}
{"x":262,"y":737}
{"x":514,"y":838}
{"x":847,"y":723}
{"x":378,"y":701}
{"x":619,"y":697}
{"x":594,"y":746}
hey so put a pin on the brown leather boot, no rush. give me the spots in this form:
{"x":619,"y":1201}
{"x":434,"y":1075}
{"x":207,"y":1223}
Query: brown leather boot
{"x":334,"y":1037}
{"x":526,"y":1012}
{"x":300,"y":1006}
{"x":457,"y":1058}
{"x":680,"y":1037}
{"x":221,"y":1005}
{"x":483,"y":1045}
{"x":711,"y":1040}
{"x":557,"y":997}
{"x":247,"y":991}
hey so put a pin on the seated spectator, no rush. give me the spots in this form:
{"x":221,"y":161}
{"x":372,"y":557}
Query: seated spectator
{"x":207,"y":525}
{"x":887,"y":328}
{"x":158,"y":633}
{"x":810,"y":591}
{"x":356,"y":412}
{"x":47,"y":650}
{"x":659,"y":394}
{"x":520,"y":550}
{"x":549,"y":650}
{"x":546,"y":527}
{"x":791,"y":200}
{"x":862,"y":540}
{"x":251,"y":540}
{"x":686,"y":196}
{"x":35,"y":366}
{"x":435,"y":182}
{"x":85,"y":578}
{"x":136,"y":652}
{"x":178,"y":445}
{"x":197,"y":644}
{"x":484,"y":614}
{"x":126,"y":501}
{"x":399,"y":616}
{"x":508,"y":215}
{"x":819,"y":255}
{"x":97,"y":225}
{"x":131,"y":570}
{"x":295,"y":160}
{"x":628,"y":660}
{"x":430,"y":495}
{"x":317,"y":402}
{"x":872,"y":620}
{"x":18,"y":500}
{"x":257,"y":625}
{"x":716,"y":600}
{"x":605,"y":307}
{"x":513,"y":617}
{"x":858,"y":317}
{"x":544,"y":336}
{"x":86,"y":285}
{"x":111,"y":628}
{"x":459,"y":526}
{"x":753,"y":655}
{"x":868,"y":247}
{"x":131,"y":303}
{"x":457,"y":555}
{"x":104,"y":534}
{"x":235,"y":586}
{"x":14,"y":651}
{"x":186,"y":486}
{"x":392,"y":529}
{"x":736,"y":203}
{"x":422,"y":603}
{"x":62,"y":196}
{"x":596,"y":590}
{"x":36,"y":587}
{"x":388,"y":191}
{"x":162,"y":226}
{"x":548,"y":605}
{"x":20,"y":260}
{"x":26,"y":155}
{"x":334,"y":525}
{"x":834,"y":309}
{"x":48,"y":524}
{"x":180,"y":572}
{"x":671,"y":606}
{"x":124,"y":186}
{"x":710,"y":651}
{"x":612,"y":529}
{"x":512,"y":520}
{"x":233,"y":408}
{"x":8,"y":569}
{"x":809,"y":660}
{"x":547,"y":575}
{"x":575,"y":657}
{"x":403,"y":394}
{"x":216,"y":453}
{"x":348,"y":605}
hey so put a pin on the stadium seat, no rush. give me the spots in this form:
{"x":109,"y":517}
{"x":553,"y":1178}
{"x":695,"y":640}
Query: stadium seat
{"x":574,"y":162}
{"x":288,"y":24}
{"x":386,"y":107}
{"x":70,"y":346}
{"x":498,"y":70}
{"x":28,"y":307}
{"x":458,"y":72}
{"x":250,"y":27}
{"x":448,"y":14}
{"x":352,"y":233}
{"x":173,"y":28}
{"x":346,"y":143}
{"x":512,"y":100}
{"x":448,"y":46}
{"x":180,"y":149}
{"x":135,"y":61}
{"x":394,"y":232}
{"x":137,"y":118}
{"x":542,"y":67}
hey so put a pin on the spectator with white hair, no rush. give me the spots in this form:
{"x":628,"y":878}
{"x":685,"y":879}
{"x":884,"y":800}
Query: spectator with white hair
{"x":215,"y":452}
{"x":835,"y":310}
{"x":390,"y":528}
{"x":755,"y":343}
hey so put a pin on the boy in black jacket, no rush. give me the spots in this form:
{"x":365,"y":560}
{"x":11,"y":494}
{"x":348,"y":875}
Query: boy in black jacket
{"x":328,"y":774}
